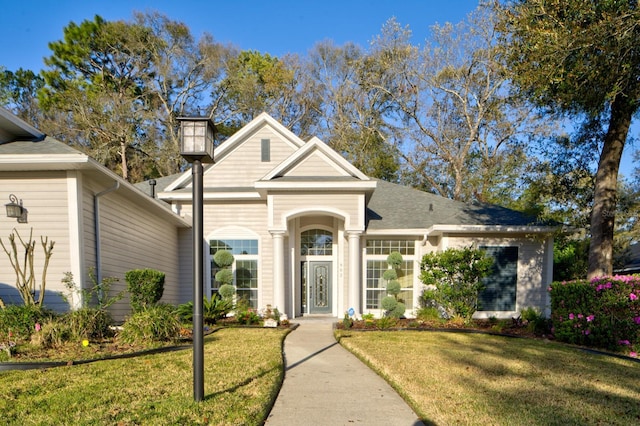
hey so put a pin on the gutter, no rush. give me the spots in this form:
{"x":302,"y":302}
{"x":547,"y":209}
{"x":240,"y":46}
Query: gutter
{"x":96,"y":221}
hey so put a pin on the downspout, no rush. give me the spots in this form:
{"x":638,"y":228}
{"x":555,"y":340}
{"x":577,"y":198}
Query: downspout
{"x":96,"y":221}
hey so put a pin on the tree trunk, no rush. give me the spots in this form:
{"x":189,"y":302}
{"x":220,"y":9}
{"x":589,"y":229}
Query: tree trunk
{"x":604,"y":197}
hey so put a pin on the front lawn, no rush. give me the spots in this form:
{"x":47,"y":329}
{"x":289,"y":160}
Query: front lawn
{"x":460,"y":378}
{"x":243,"y":374}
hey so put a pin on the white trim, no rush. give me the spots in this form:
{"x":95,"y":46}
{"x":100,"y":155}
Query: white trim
{"x":76,"y":254}
{"x":315,"y":144}
{"x":438,"y":230}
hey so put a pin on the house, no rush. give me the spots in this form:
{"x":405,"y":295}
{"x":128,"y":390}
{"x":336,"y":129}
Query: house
{"x":309,"y":232}
{"x":101,"y":225}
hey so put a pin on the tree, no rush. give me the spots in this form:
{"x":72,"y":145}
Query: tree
{"x":95,"y":74}
{"x":185,"y":75}
{"x":19,"y":93}
{"x":465,"y":131}
{"x":353,"y":113}
{"x":581,"y":59}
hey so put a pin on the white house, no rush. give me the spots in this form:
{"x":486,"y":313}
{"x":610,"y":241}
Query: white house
{"x":310,"y":233}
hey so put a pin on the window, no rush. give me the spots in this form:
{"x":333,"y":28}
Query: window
{"x":376,"y":262}
{"x":500,"y":286}
{"x":245,"y":267}
{"x":265,"y":147}
{"x":316,"y":242}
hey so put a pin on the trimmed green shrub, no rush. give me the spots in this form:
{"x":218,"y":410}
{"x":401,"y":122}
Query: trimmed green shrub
{"x":393,"y":288}
{"x":390,"y":275}
{"x":159,"y":323}
{"x":454,"y":277}
{"x":224,"y":277}
{"x":388,"y":303}
{"x":145,"y":287}
{"x":227,"y":291}
{"x":603,"y":312}
{"x":223,"y":258}
{"x":394,"y":259}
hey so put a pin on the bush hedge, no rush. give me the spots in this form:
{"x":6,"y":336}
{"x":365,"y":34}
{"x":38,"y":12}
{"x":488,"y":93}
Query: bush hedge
{"x":601,"y":313}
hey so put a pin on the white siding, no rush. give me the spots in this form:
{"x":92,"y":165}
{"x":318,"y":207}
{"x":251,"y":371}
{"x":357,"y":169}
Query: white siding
{"x":342,"y":205}
{"x":532,"y":278}
{"x":252,"y":216}
{"x":44,"y":195}
{"x":243,"y":166}
{"x":315,"y":165}
{"x":131,"y":238}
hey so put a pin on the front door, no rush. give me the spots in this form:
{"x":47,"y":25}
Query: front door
{"x":318,"y":287}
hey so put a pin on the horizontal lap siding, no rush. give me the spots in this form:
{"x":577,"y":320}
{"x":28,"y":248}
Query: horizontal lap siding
{"x":244,"y":166}
{"x":44,"y":195}
{"x":316,"y":165}
{"x":531,"y":291}
{"x":252,"y":216}
{"x":134,"y":238}
{"x":346,"y":203}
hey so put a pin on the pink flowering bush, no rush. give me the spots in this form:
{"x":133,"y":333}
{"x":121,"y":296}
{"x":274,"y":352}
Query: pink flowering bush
{"x":603,"y":312}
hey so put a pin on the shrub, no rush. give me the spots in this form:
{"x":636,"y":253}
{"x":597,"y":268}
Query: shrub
{"x":535,"y":321}
{"x":223,"y":258}
{"x":454,"y":277}
{"x":245,"y":314}
{"x":53,"y":333}
{"x":157,"y":323}
{"x":145,"y":287}
{"x":394,"y":259}
{"x":213,"y":309}
{"x":88,"y":323}
{"x":224,"y":277}
{"x":428,"y":314}
{"x":393,"y":288}
{"x":603,"y":312}
{"x":21,"y":320}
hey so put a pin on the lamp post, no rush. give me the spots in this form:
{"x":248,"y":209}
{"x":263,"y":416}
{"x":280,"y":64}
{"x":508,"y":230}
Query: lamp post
{"x":196,"y":146}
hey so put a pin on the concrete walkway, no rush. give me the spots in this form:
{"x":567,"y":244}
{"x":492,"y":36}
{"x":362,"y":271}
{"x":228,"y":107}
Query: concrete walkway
{"x":325,"y":384}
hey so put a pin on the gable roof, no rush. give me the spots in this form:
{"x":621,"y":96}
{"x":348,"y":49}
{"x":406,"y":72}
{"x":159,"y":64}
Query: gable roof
{"x":396,"y":207}
{"x":226,"y":147}
{"x":314,"y":147}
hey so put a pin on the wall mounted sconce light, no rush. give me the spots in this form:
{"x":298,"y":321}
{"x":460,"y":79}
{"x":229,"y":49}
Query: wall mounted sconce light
{"x":16,"y":210}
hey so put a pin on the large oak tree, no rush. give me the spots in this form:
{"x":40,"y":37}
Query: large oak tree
{"x":581,"y":58}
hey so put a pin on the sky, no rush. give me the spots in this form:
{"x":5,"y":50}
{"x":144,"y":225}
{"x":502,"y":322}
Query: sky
{"x":276,"y":27}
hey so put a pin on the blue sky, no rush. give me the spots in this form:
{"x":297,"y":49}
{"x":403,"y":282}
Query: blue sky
{"x":268,"y":26}
{"x":276,"y":27}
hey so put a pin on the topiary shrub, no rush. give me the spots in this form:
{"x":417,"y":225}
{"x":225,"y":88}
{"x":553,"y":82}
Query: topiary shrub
{"x":145,"y":287}
{"x":393,"y":288}
{"x":394,"y":259}
{"x":159,"y":323}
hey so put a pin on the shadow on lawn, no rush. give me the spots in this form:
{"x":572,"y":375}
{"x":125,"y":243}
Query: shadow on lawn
{"x":543,"y":383}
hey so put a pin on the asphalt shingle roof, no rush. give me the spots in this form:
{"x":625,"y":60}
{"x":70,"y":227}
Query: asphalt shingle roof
{"x":395,"y":206}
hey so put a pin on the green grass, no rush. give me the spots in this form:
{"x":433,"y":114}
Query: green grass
{"x":457,"y":378}
{"x":243,"y":373}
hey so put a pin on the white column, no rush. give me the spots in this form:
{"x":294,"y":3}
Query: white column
{"x":354,"y":298}
{"x":278,"y":272}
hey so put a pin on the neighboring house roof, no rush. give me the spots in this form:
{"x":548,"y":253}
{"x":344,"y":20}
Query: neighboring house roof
{"x":161,"y":183}
{"x":397,"y":207}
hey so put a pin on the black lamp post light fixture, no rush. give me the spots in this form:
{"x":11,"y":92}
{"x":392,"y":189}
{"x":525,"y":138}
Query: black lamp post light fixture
{"x":196,"y":146}
{"x":15,"y":210}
